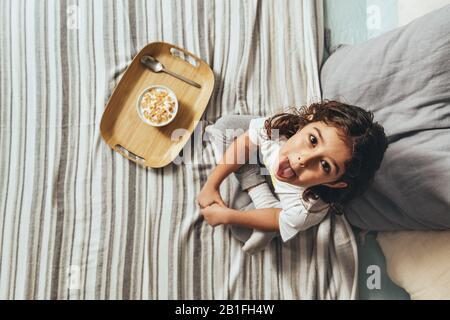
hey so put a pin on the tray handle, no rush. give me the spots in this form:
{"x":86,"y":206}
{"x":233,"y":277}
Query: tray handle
{"x":184,"y":55}
{"x":129,"y":155}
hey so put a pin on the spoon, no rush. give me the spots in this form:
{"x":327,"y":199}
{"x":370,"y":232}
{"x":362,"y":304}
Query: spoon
{"x":156,"y":66}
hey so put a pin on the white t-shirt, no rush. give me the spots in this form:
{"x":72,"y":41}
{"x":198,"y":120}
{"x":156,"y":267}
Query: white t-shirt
{"x":297,"y":214}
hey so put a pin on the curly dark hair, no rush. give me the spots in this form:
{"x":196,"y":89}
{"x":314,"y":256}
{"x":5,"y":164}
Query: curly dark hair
{"x":368,"y":139}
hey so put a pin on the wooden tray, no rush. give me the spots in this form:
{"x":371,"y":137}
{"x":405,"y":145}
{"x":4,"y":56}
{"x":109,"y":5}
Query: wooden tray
{"x":121,"y":126}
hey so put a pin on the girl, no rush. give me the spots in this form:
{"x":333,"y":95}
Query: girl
{"x":318,"y":157}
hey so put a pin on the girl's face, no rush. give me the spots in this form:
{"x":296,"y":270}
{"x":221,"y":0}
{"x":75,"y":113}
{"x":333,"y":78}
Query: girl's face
{"x":315,"y":155}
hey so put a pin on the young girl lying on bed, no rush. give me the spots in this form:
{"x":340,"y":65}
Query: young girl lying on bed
{"x":318,"y":157}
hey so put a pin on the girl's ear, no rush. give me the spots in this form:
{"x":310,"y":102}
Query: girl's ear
{"x":336,"y":185}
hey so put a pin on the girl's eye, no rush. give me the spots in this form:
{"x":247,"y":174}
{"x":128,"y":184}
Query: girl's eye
{"x":313,"y":139}
{"x":325,"y":166}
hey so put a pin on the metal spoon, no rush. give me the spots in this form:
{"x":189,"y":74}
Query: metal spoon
{"x":156,"y":66}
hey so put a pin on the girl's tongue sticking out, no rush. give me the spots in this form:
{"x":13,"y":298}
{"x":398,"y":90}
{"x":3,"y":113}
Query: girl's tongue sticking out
{"x":284,"y":169}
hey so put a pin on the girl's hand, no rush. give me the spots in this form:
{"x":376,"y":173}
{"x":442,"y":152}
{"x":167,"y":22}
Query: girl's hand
{"x":208,"y":196}
{"x":216,"y":215}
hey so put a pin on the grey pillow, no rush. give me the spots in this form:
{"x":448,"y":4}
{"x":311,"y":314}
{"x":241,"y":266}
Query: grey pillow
{"x":403,"y":77}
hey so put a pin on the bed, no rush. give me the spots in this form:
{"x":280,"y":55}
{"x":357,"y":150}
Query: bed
{"x":79,"y":221}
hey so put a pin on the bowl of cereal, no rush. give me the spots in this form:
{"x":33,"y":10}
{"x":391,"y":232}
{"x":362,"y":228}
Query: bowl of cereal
{"x":157,"y":106}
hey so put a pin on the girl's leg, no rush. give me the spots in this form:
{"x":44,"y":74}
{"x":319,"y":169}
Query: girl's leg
{"x":222,"y":134}
{"x":242,"y":233}
{"x":262,"y":197}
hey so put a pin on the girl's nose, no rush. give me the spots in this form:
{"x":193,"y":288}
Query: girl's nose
{"x":301,"y":162}
{"x":307,"y":159}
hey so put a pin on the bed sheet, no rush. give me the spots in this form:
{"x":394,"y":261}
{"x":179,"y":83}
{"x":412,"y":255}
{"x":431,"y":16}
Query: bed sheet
{"x":79,"y":221}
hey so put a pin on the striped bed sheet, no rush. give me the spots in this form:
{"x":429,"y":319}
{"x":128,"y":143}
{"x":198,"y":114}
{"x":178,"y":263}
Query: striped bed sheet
{"x":79,"y":221}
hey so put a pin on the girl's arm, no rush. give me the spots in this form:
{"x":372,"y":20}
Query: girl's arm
{"x":265,"y":219}
{"x":234,"y":157}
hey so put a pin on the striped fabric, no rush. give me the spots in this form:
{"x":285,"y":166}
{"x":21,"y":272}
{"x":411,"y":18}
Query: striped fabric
{"x":79,"y":221}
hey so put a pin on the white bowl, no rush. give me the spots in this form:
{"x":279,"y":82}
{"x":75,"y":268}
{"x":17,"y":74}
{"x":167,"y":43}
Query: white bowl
{"x":140,"y":111}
